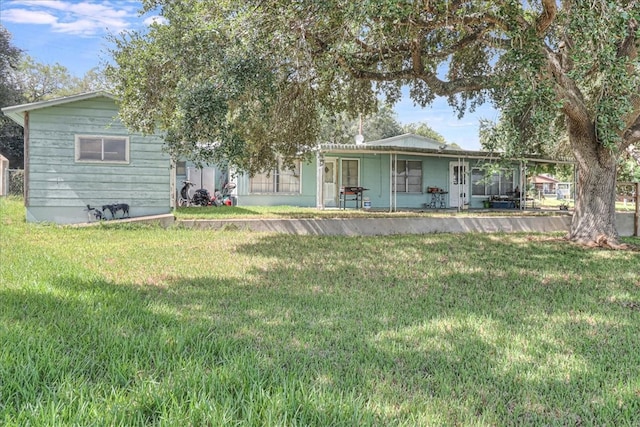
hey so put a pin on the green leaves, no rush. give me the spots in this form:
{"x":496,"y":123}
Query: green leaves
{"x":252,"y":77}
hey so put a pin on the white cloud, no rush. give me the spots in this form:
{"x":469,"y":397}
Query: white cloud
{"x":83,"y":18}
{"x":21,"y":16}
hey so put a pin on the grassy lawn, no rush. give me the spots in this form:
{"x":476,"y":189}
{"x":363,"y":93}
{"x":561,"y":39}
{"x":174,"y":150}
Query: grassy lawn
{"x":544,"y":207}
{"x":248,"y":212}
{"x":132,"y":325}
{"x":552,"y":203}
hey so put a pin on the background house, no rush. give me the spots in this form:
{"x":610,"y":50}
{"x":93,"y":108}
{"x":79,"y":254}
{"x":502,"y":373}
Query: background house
{"x":548,"y":186}
{"x":78,"y":153}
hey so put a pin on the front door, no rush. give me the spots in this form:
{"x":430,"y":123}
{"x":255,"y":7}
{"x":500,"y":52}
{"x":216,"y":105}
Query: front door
{"x":330,"y":183}
{"x":458,"y":187}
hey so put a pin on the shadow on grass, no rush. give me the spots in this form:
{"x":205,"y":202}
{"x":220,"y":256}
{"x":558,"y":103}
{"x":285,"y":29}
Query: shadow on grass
{"x":512,"y":329}
{"x":373,"y":331}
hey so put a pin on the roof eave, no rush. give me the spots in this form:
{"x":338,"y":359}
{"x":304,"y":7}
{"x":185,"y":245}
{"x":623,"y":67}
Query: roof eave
{"x":16,"y":112}
{"x":366,"y":148}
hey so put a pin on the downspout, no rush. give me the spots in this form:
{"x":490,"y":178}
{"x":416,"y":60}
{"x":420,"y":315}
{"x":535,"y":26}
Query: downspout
{"x":172,"y":185}
{"x":26,"y":158}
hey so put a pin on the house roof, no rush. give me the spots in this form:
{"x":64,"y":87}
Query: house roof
{"x":16,"y":112}
{"x":409,"y":140}
{"x":543,"y":179}
{"x":402,"y":144}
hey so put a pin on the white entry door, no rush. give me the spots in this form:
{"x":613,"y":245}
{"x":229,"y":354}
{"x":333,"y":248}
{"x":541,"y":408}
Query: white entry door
{"x":330,"y":183}
{"x":458,"y":185}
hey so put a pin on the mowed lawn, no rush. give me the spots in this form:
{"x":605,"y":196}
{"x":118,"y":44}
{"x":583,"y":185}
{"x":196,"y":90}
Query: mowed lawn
{"x":130,"y":325}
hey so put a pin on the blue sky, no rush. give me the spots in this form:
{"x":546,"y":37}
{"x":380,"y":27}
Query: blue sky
{"x":73,"y":34}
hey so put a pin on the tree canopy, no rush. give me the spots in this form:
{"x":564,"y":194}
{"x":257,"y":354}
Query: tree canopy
{"x":254,"y":76}
{"x":23,"y":79}
{"x":38,"y":81}
{"x":340,"y":128}
{"x":10,"y":94}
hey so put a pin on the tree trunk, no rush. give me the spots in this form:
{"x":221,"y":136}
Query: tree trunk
{"x":593,"y":222}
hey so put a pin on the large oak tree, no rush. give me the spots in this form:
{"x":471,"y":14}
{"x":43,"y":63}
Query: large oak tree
{"x":254,"y":75}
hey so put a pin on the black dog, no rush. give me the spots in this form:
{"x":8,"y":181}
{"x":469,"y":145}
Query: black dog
{"x":114,"y":208}
{"x":94,"y":212}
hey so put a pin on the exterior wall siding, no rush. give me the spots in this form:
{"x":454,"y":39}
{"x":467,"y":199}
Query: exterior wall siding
{"x":375,"y":176}
{"x":59,"y":188}
{"x":306,"y":197}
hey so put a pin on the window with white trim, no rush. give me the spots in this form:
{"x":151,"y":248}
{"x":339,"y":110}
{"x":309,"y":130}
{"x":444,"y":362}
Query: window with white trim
{"x":278,"y":180}
{"x":407,"y":178}
{"x":102,"y":149}
{"x":350,"y":173}
{"x":497,"y":184}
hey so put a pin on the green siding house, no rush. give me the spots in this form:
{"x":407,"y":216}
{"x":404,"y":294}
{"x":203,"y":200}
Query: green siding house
{"x":402,"y":172}
{"x":78,"y":153}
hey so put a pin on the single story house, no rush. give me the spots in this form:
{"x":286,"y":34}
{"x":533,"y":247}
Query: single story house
{"x":402,"y":172}
{"x":546,"y":185}
{"x":79,"y":153}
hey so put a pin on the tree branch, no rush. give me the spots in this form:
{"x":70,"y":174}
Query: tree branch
{"x":568,"y":92}
{"x":438,"y":86}
{"x":544,"y":20}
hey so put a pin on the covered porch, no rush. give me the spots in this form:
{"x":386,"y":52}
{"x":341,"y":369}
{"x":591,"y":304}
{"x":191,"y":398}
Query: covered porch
{"x":410,"y":172}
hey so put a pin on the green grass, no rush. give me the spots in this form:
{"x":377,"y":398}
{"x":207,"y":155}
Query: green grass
{"x":553,"y":203}
{"x":303,"y":212}
{"x":132,"y":325}
{"x":545,"y":207}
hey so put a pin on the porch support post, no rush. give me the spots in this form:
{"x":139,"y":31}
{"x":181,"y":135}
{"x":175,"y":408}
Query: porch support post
{"x":522,"y":180}
{"x":395,"y":186}
{"x":319,"y":180}
{"x":459,"y":189}
{"x":391,"y":182}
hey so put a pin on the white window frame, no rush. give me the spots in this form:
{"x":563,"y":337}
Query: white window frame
{"x":346,"y":159}
{"x":401,"y":183}
{"x":78,"y":142}
{"x":501,"y":174}
{"x":274,"y":177}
